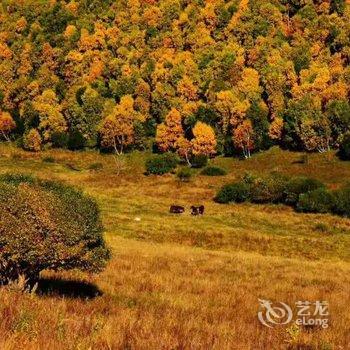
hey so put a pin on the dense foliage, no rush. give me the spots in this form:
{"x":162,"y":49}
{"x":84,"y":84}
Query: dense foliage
{"x":47,"y":225}
{"x":344,"y":149}
{"x":199,"y":77}
{"x":317,"y":201}
{"x":299,"y":185}
{"x":304,"y":194}
{"x":269,"y":189}
{"x":184,"y":174}
{"x":161,"y":164}
{"x":213,"y":171}
{"x":233,"y":193}
{"x":199,"y":161}
{"x":342,"y":201}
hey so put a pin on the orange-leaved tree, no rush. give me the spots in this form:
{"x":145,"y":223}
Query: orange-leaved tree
{"x":316,"y":135}
{"x":118,"y":128}
{"x":32,"y":141}
{"x":50,"y":112}
{"x":243,"y":138}
{"x":7,"y":124}
{"x":276,"y":129}
{"x":204,"y":141}
{"x":170,"y":131}
{"x":184,"y":148}
{"x":232,"y":109}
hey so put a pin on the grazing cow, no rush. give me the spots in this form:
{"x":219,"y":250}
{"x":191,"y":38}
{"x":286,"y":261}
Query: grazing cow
{"x":176,"y":209}
{"x":195,"y":211}
{"x":201,"y":209}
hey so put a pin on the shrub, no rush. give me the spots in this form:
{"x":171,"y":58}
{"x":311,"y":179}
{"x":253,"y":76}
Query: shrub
{"x":184,"y":174}
{"x":76,"y":141}
{"x":344,"y":148}
{"x":213,"y":171}
{"x":59,"y":139}
{"x":233,"y":193}
{"x":32,"y":141}
{"x":161,"y":164}
{"x":20,"y":142}
{"x":199,"y":161}
{"x":47,"y":225}
{"x":270,"y":189}
{"x":300,"y":185}
{"x":16,"y":179}
{"x":317,"y":201}
{"x":342,"y":202}
{"x":249,"y":178}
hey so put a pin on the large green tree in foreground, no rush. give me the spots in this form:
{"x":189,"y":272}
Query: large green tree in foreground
{"x":47,"y":225}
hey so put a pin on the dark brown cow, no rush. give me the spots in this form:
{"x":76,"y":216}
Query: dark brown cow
{"x":176,"y":209}
{"x":195,"y":211}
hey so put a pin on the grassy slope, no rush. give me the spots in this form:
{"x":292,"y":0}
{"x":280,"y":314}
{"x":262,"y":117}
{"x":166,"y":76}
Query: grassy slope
{"x":180,"y":282}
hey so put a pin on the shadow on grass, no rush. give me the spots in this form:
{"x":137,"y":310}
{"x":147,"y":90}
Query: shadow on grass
{"x":67,"y":288}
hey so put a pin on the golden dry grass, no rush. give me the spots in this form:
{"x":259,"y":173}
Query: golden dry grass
{"x":184,"y":282}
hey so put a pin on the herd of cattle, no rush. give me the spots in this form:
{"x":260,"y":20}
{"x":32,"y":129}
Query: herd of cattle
{"x":195,"y":211}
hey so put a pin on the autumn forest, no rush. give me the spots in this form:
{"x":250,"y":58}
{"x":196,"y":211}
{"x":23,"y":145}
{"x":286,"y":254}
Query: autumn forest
{"x":189,"y":76}
{"x":174,"y":174}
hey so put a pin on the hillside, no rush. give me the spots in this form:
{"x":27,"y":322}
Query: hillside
{"x":107,"y":110}
{"x":185,"y":282}
{"x":117,"y":74}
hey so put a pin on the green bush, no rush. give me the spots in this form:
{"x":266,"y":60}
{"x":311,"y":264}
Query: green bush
{"x":317,"y":201}
{"x":305,"y":194}
{"x":233,"y":193}
{"x":270,"y":189}
{"x":59,"y":139}
{"x":184,"y":174}
{"x":213,"y":171}
{"x":249,"y":178}
{"x":342,"y":202}
{"x":47,"y":225}
{"x":161,"y":164}
{"x":344,"y":148}
{"x":76,"y":141}
{"x":199,"y":161}
{"x":300,"y":185}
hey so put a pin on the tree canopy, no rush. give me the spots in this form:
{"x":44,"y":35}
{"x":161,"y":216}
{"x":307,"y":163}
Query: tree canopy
{"x":275,"y":70}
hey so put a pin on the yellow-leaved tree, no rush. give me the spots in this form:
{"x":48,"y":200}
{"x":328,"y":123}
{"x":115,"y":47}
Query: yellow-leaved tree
{"x":50,"y":111}
{"x":316,"y":135}
{"x":7,"y":124}
{"x":204,"y":141}
{"x":169,"y":132}
{"x":243,"y":138}
{"x":232,"y":109}
{"x":184,"y":148}
{"x":117,"y":130}
{"x":32,"y":141}
{"x":276,"y":129}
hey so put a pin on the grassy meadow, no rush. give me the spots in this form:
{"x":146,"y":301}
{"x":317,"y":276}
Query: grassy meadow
{"x":182,"y":282}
